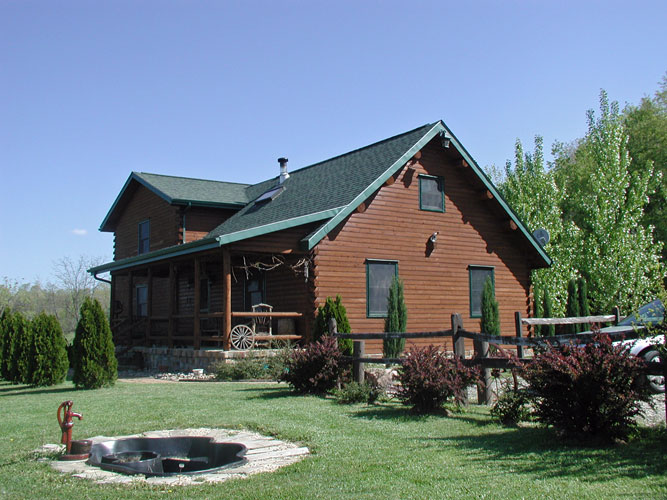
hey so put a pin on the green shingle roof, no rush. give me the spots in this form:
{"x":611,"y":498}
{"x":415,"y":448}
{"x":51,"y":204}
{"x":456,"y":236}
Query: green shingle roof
{"x":325,"y":192}
{"x":319,"y":191}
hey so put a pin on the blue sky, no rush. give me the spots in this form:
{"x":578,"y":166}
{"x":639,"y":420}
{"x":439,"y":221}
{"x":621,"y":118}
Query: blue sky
{"x":92,"y":90}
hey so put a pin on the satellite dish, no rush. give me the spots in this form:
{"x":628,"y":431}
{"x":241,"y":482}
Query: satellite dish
{"x":542,"y":236}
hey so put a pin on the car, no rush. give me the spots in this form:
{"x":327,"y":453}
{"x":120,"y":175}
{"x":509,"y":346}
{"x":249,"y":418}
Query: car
{"x":650,"y":314}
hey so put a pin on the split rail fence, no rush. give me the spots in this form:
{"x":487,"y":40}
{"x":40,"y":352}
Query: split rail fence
{"x":481,"y":342}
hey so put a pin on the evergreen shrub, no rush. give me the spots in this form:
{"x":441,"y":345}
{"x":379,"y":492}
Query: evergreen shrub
{"x":429,"y":378}
{"x":490,"y":323}
{"x":19,"y":356}
{"x":315,"y":369}
{"x":48,"y":351}
{"x":355,"y":392}
{"x":396,"y":320}
{"x":587,"y":393}
{"x":95,"y":363}
{"x":547,"y":310}
{"x":6,"y":334}
{"x":333,"y":308}
{"x":572,"y":309}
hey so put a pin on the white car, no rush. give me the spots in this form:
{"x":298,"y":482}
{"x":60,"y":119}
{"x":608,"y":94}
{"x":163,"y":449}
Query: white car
{"x":652,"y":313}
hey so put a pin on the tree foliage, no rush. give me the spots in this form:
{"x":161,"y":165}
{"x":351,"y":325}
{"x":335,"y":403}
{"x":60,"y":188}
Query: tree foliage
{"x":6,"y":334}
{"x":48,"y":352}
{"x":333,"y":308}
{"x":592,"y":201}
{"x":490,"y":323}
{"x":19,"y":353}
{"x":572,"y":304}
{"x":396,"y":320}
{"x":94,"y":360}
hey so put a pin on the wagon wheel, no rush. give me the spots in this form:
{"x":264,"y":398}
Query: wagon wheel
{"x":242,"y":337}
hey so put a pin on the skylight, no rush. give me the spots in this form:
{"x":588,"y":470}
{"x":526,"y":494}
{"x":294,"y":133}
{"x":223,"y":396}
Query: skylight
{"x":271,"y":194}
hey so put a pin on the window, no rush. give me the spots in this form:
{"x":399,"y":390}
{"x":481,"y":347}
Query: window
{"x":204,"y":295}
{"x":144,"y":237}
{"x":379,"y":275}
{"x":254,"y":290}
{"x":141,"y":306}
{"x":431,"y":193}
{"x":477,"y":277}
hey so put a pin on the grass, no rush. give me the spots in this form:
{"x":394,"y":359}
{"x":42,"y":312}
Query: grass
{"x":358,"y":451}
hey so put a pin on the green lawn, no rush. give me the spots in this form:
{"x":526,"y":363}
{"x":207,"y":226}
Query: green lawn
{"x":358,"y":451}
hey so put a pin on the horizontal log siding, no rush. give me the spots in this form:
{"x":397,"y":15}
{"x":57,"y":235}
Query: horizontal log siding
{"x":200,"y":221}
{"x":164,"y":224}
{"x":471,"y":232}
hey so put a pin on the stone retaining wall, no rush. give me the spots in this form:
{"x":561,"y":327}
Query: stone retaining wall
{"x":165,"y":359}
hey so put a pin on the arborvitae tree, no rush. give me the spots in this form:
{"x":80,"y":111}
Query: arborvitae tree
{"x":19,"y":365}
{"x":49,"y":351}
{"x":490,"y":323}
{"x":548,"y":330}
{"x":95,"y":362}
{"x":537,"y":300}
{"x":5,"y":341}
{"x":572,"y":304}
{"x":584,"y":310}
{"x":396,"y":321}
{"x":333,"y":309}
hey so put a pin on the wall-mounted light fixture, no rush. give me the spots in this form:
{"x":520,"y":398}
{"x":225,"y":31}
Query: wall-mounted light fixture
{"x":431,"y":243}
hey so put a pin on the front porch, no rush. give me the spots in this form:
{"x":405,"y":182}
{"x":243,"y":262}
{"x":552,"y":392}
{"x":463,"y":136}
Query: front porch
{"x":194,"y":302}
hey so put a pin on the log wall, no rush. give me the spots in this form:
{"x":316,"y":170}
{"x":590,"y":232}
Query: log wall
{"x":391,"y":226}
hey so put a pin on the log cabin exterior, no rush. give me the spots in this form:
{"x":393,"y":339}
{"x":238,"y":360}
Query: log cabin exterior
{"x":190,"y":255}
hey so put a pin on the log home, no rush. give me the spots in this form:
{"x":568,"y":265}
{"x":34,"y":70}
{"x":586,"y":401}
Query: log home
{"x":191,"y":256}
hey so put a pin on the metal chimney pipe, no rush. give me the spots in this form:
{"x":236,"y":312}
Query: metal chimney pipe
{"x":283,"y":170}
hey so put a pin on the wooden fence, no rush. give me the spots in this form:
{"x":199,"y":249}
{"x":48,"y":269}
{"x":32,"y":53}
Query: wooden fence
{"x":481,"y":342}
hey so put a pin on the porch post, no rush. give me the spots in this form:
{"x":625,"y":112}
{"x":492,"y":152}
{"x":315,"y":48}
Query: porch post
{"x":149,"y":307}
{"x":227,"y":294}
{"x":170,"y":305}
{"x":197,"y":325}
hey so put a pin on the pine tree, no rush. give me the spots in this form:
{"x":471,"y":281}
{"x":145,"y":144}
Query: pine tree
{"x":584,"y":310}
{"x":490,"y":323}
{"x":48,"y":351}
{"x":572,"y":304}
{"x":548,"y":330}
{"x":537,"y":300}
{"x":95,"y":362}
{"x":396,"y":320}
{"x":333,"y":309}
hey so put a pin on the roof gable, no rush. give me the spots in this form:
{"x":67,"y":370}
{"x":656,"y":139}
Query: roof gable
{"x":179,"y":191}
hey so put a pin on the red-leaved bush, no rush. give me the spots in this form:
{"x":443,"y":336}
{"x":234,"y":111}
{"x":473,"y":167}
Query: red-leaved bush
{"x":587,"y":393}
{"x":428,"y":378}
{"x":316,"y":368}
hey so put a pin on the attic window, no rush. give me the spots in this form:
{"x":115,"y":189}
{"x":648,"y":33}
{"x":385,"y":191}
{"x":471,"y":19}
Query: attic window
{"x":271,"y":194}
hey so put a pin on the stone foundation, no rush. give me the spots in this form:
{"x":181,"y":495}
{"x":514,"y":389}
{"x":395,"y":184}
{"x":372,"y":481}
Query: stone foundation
{"x":165,"y":359}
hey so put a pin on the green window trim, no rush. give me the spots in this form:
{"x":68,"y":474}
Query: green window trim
{"x":474,"y":288}
{"x":372,"y":298}
{"x":144,"y":237}
{"x":425,"y":180}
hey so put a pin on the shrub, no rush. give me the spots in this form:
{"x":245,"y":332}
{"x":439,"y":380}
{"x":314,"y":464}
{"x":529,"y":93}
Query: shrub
{"x":250,"y":366}
{"x":490,"y":323}
{"x":512,"y":407}
{"x":588,"y":392}
{"x":572,"y":305}
{"x":316,"y":368}
{"x":333,"y":309}
{"x":429,"y":378}
{"x":396,"y":321}
{"x":547,"y":310}
{"x":19,"y":355}
{"x":355,"y":392}
{"x":584,"y":309}
{"x":6,"y":333}
{"x":95,"y":362}
{"x":48,"y":351}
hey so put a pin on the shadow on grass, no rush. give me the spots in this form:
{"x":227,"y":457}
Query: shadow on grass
{"x":269,"y":392}
{"x":393,"y":411}
{"x":538,"y":452}
{"x":20,"y":390}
